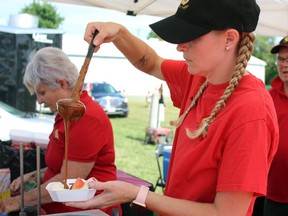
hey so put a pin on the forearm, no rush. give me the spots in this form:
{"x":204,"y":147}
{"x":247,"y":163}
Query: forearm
{"x":167,"y":206}
{"x":139,"y":53}
{"x":31,"y":197}
{"x":225,"y":204}
{"x":230,"y":203}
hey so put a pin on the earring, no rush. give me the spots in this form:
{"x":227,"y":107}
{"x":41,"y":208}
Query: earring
{"x":227,"y":48}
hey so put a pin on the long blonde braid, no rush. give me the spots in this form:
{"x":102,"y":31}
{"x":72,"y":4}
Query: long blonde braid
{"x":245,"y":51}
{"x":179,"y":121}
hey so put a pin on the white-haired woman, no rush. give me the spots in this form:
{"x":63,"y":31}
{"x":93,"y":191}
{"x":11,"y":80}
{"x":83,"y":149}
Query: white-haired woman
{"x":52,"y":76}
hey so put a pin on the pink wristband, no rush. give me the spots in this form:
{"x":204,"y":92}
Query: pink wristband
{"x":139,"y":202}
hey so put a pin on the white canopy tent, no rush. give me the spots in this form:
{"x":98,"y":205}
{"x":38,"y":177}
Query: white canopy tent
{"x":273,"y":19}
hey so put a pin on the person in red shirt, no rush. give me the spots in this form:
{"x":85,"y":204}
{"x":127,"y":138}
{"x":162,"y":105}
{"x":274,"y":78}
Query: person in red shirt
{"x":276,"y":202}
{"x":227,"y":131}
{"x":52,"y":76}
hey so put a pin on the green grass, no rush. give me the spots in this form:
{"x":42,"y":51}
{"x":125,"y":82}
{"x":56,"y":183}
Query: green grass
{"x":132,"y":155}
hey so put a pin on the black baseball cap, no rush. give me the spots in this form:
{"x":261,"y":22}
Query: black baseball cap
{"x":282,"y":43}
{"x":195,"y":18}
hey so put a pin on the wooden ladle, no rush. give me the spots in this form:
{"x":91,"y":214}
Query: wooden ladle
{"x":72,"y":109}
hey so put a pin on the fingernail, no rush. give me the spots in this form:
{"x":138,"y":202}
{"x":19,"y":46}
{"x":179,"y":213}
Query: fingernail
{"x":96,"y":42}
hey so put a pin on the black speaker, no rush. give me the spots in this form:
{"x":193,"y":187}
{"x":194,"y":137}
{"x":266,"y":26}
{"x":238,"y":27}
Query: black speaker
{"x":16,"y":44}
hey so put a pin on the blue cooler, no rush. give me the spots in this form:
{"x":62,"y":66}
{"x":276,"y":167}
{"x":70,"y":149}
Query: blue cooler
{"x":166,"y":160}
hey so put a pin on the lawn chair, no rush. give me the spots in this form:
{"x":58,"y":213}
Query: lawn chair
{"x":158,"y":135}
{"x":159,"y":154}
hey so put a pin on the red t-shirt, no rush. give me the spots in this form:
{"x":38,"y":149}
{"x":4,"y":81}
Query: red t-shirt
{"x":278,"y":175}
{"x":240,"y":144}
{"x":90,"y":140}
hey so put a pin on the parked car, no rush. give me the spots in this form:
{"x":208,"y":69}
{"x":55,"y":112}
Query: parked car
{"x":111,"y":100}
{"x":21,"y":126}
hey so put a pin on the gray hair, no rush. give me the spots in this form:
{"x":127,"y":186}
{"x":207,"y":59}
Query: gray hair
{"x":48,"y":65}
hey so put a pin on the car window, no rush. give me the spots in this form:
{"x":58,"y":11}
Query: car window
{"x":103,"y":88}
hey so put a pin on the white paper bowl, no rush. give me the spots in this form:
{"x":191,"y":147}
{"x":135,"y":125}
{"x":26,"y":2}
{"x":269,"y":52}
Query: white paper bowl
{"x":70,"y":195}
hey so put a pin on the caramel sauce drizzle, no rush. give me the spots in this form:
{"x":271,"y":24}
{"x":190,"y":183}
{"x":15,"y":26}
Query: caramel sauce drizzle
{"x":72,"y":109}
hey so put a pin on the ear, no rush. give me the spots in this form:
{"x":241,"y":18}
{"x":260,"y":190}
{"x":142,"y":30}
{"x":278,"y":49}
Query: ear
{"x":62,"y":83}
{"x":232,"y":37}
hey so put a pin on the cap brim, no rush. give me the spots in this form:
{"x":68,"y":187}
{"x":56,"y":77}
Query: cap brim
{"x":275,"y":49}
{"x":175,"y":30}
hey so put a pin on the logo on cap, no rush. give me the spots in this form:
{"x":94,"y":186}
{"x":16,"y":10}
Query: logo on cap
{"x":184,"y":4}
{"x":285,"y":39}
